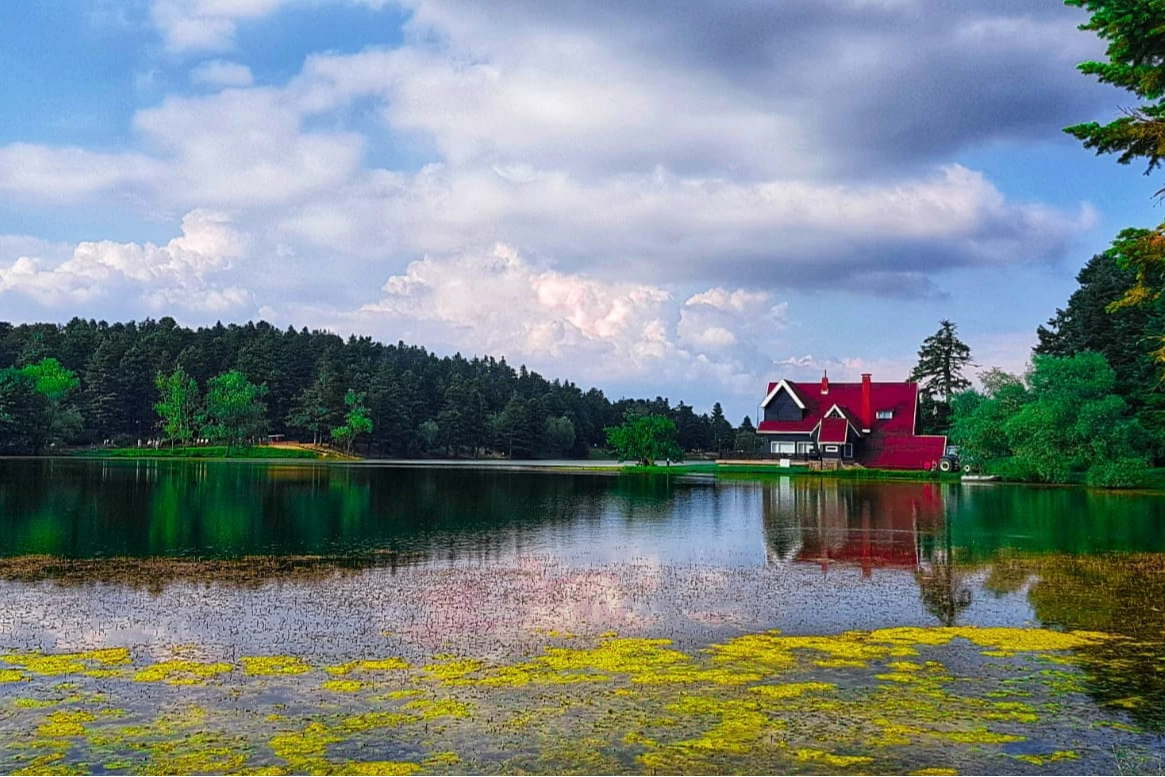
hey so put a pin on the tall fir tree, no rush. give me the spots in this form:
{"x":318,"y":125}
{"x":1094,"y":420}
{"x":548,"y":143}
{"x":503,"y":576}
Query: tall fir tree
{"x":939,"y":373}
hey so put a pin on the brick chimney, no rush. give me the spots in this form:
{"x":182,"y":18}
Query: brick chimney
{"x":867,"y":407}
{"x":824,"y":382}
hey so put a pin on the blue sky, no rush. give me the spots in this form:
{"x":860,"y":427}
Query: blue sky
{"x":675,"y":198}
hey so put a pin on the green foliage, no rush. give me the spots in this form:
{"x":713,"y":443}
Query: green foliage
{"x":411,"y":393}
{"x":317,"y":408}
{"x":723,"y":435}
{"x":747,"y":440}
{"x":1120,"y":473}
{"x":356,"y":421}
{"x":939,"y":372}
{"x":559,"y":435}
{"x":1135,"y":33}
{"x":24,"y":413}
{"x":234,"y":410}
{"x":645,"y":439}
{"x":178,"y":406}
{"x":1063,"y":424}
{"x":56,"y":384}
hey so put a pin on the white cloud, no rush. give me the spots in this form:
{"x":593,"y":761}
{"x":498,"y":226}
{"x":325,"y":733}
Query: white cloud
{"x":220,"y":73}
{"x":178,"y":274}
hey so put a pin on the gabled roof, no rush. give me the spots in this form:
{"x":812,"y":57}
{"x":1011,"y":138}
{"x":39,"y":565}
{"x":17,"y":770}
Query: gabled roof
{"x":774,"y":388}
{"x":833,"y":430}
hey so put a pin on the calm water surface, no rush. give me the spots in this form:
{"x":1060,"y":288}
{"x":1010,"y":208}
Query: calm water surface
{"x":218,"y":617}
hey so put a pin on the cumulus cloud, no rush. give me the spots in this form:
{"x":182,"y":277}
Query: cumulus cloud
{"x":220,"y":73}
{"x":495,"y":301}
{"x":178,"y":274}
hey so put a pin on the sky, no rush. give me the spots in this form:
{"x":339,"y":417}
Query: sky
{"x":675,"y":198}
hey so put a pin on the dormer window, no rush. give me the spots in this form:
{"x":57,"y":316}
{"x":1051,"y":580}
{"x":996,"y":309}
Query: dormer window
{"x":884,"y":415}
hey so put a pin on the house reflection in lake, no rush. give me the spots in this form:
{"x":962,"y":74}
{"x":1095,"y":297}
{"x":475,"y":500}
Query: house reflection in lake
{"x":899,"y":526}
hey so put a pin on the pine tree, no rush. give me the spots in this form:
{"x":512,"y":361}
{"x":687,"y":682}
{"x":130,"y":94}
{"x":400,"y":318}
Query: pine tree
{"x":939,"y":372}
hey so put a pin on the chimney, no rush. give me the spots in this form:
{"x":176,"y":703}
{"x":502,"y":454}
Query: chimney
{"x":824,"y":382}
{"x":867,"y":409}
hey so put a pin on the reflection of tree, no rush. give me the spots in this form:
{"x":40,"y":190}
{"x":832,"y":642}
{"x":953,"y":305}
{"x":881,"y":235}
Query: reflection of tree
{"x":1115,"y":594}
{"x":945,"y":594}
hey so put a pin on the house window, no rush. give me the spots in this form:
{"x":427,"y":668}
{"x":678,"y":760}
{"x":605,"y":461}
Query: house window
{"x":803,"y":448}
{"x":849,"y":450}
{"x":884,"y":415}
{"x":831,"y":449}
{"x":783,"y":447}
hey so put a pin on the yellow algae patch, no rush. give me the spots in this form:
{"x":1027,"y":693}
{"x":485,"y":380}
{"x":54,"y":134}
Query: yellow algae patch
{"x":904,"y":666}
{"x":65,"y":723}
{"x":370,"y":720}
{"x":11,"y":675}
{"x":898,"y":677}
{"x":180,"y":672}
{"x":830,"y":759}
{"x":935,"y":771}
{"x":274,"y":665}
{"x":977,"y":737}
{"x":790,"y":690}
{"x":403,"y":694}
{"x":768,"y":651}
{"x":450,"y":668}
{"x":373,"y":665}
{"x":50,"y":763}
{"x":440,"y":708}
{"x":32,"y":704}
{"x":69,"y":663}
{"x":342,"y":686}
{"x":627,"y":655}
{"x":839,"y":663}
{"x":381,"y":767}
{"x":1006,"y":640}
{"x":305,"y":749}
{"x":1040,"y":760}
{"x":445,"y":758}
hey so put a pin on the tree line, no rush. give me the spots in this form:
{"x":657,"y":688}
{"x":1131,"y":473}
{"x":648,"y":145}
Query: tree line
{"x":95,"y":383}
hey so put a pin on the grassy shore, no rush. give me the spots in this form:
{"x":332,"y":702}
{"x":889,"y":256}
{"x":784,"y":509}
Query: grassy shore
{"x":204,"y":452}
{"x":755,"y":471}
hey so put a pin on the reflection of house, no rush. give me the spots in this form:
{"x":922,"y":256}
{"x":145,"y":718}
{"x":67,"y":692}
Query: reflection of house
{"x":866,"y":423}
{"x":874,"y":525}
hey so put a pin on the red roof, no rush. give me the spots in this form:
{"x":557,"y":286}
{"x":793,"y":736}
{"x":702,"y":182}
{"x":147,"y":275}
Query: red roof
{"x":890,"y":443}
{"x":834,"y":430}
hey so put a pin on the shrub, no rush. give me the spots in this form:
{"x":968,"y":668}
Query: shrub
{"x":1119,"y":473}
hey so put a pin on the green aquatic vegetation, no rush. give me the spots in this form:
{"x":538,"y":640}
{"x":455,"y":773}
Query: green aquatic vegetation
{"x":304,"y":750}
{"x":181,"y":672}
{"x":200,"y":753}
{"x":274,"y":665}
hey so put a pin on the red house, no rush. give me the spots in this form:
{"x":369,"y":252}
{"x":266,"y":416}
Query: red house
{"x":865,"y":423}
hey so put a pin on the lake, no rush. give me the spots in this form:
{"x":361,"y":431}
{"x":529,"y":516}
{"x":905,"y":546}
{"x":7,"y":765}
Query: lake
{"x":274,"y":617}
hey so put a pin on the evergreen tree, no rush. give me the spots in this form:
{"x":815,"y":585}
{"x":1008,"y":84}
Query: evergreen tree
{"x":939,"y":373}
{"x":23,"y":413}
{"x":723,"y":436}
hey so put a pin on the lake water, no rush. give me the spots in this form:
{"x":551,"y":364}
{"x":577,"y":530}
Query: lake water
{"x":176,"y":617}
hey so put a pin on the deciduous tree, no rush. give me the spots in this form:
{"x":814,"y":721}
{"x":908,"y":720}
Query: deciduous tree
{"x":645,"y":439}
{"x":234,"y":409}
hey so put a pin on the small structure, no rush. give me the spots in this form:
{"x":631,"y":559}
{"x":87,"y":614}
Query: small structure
{"x":868,"y":424}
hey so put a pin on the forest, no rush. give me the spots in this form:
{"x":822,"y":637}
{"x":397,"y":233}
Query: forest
{"x":93,"y":383}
